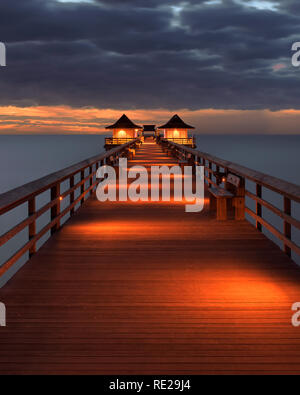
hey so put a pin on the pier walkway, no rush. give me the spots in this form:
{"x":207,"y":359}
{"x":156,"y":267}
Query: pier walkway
{"x":146,"y":288}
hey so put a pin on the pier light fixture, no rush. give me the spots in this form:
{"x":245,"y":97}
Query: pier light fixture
{"x":220,"y":176}
{"x":121,"y":133}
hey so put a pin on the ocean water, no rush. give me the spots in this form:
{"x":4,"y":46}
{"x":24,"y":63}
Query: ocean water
{"x":27,"y":158}
{"x":275,"y":155}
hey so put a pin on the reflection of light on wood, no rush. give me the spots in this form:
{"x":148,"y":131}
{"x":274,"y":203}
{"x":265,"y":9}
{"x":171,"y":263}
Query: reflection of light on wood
{"x":242,"y":285}
{"x":133,"y":229}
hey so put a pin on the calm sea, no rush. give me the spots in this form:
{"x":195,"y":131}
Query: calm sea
{"x":26,"y":158}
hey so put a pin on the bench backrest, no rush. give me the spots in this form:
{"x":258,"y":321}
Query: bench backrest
{"x":234,"y":180}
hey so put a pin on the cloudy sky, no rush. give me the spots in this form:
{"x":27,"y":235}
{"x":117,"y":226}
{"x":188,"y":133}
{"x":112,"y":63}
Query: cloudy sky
{"x":224,"y":65}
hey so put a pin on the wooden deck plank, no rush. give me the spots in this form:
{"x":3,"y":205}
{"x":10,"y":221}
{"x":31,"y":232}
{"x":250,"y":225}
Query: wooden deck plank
{"x":131,"y":288}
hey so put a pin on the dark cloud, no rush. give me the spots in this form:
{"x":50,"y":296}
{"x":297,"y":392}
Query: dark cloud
{"x":148,"y":54}
{"x":292,"y":6}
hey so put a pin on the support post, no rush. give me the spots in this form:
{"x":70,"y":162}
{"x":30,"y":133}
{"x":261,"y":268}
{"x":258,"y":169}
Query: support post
{"x":72,"y":183}
{"x":258,"y":207}
{"x":82,"y":188}
{"x":97,"y":167}
{"x":55,"y":210}
{"x":212,"y":203}
{"x":32,"y":226}
{"x":239,"y":201}
{"x":218,"y":182}
{"x":91,"y":179}
{"x":221,"y":209}
{"x":286,"y":225}
{"x":194,"y":161}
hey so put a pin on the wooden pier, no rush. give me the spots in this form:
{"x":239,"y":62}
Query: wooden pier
{"x":146,"y":288}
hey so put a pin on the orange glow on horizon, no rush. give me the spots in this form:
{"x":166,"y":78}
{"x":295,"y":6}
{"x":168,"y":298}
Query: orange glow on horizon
{"x":68,"y":120}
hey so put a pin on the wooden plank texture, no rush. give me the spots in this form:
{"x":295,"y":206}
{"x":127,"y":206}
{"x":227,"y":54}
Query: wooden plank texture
{"x":137,"y":288}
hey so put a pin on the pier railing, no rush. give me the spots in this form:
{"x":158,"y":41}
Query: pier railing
{"x":29,"y":192}
{"x":117,"y":140}
{"x":289,"y":193}
{"x":185,"y":141}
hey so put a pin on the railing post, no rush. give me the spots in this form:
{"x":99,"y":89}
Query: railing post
{"x":82,"y":188}
{"x":55,"y":210}
{"x":287,"y":226}
{"x":32,"y":226}
{"x":202,"y":163}
{"x":218,"y":181}
{"x":72,"y":183}
{"x":97,"y":167}
{"x":258,"y":207}
{"x":194,"y":162}
{"x":210,"y":168}
{"x":91,"y":179}
{"x":239,"y":200}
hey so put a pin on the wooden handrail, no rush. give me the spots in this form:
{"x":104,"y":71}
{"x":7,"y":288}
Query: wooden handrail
{"x":275,"y":231}
{"x":274,"y":209}
{"x":117,"y":140}
{"x":31,"y":218}
{"x":28,"y":192}
{"x":19,"y":195}
{"x":292,"y":191}
{"x":289,"y":192}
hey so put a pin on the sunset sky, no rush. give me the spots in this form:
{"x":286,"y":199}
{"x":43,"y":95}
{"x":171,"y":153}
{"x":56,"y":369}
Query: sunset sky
{"x":76,"y":66}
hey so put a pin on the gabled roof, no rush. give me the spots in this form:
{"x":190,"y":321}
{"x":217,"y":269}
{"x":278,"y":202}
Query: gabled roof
{"x":124,"y":122}
{"x":149,"y":128}
{"x":176,"y":123}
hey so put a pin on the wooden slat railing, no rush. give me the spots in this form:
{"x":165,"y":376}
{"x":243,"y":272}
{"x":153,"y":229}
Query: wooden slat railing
{"x":184,"y":141}
{"x":289,"y":192}
{"x":117,"y":140}
{"x":28,"y":193}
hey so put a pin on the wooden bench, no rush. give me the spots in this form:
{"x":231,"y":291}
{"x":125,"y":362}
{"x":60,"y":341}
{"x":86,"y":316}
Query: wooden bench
{"x":234,"y":192}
